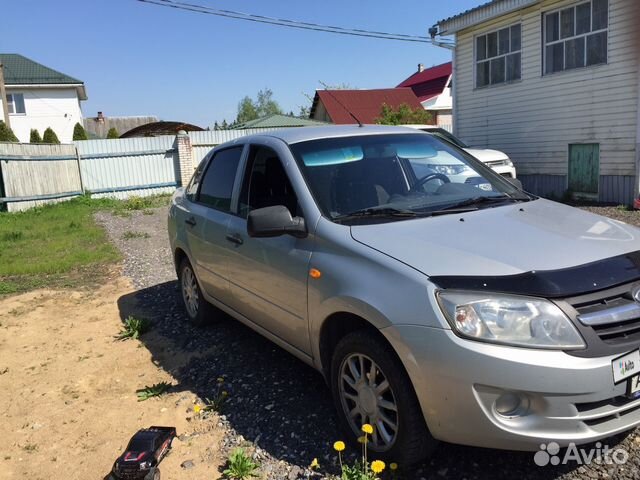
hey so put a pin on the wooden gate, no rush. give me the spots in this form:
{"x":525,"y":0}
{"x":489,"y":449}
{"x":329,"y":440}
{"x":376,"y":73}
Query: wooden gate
{"x":584,"y":170}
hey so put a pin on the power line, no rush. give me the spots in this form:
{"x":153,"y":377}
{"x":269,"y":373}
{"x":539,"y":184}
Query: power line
{"x":287,"y":23}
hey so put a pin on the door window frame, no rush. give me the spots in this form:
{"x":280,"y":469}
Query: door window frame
{"x":234,"y":188}
{"x":244,"y":168}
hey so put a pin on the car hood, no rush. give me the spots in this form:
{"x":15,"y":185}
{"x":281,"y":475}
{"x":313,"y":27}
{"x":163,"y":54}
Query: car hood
{"x":505,"y":240}
{"x":485,"y":155}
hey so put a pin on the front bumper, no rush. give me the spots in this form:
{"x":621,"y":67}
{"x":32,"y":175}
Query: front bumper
{"x":567,"y":399}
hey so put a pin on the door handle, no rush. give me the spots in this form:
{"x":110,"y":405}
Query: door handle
{"x":235,"y":238}
{"x":191,"y":221}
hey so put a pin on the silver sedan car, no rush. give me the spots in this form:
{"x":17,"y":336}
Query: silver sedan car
{"x":437,"y":307}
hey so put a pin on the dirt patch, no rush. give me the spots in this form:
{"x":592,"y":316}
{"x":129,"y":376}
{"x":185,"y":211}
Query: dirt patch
{"x":67,"y":390}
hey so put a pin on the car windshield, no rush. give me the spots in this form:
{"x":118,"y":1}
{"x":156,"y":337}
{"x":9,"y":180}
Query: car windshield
{"x":140,"y":444}
{"x":376,"y":178}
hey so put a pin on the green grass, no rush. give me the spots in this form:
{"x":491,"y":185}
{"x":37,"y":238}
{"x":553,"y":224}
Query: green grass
{"x":133,"y":328}
{"x":153,"y":391}
{"x":59,"y":245}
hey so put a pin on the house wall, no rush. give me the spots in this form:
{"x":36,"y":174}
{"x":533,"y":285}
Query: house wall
{"x":58,"y":108}
{"x":535,"y":119}
{"x":320,"y":114}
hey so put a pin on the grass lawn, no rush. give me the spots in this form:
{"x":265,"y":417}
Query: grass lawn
{"x":60,"y":245}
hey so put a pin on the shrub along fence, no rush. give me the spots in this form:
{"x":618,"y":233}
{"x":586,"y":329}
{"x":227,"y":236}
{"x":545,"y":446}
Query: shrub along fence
{"x":36,"y":174}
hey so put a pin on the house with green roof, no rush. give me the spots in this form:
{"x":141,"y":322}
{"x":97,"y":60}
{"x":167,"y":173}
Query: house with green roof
{"x":278,"y":121}
{"x":39,"y":97}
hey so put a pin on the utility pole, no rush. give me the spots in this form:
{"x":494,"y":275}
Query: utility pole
{"x":3,"y":97}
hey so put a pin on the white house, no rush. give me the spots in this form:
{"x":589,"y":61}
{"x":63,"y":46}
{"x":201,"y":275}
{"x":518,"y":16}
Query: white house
{"x":556,"y":85}
{"x":39,"y":97}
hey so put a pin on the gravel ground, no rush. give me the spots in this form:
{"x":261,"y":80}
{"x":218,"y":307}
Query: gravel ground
{"x":280,"y":408}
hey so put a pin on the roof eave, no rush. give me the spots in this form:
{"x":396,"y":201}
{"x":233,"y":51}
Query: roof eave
{"x":481,"y":14}
{"x":80,"y":88}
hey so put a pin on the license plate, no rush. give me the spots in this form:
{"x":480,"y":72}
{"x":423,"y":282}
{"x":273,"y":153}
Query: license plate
{"x":633,"y":391}
{"x":626,"y":366}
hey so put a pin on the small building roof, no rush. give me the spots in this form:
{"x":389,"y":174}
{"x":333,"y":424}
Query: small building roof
{"x":365,"y":105}
{"x":480,"y":14}
{"x":20,"y":70}
{"x":430,"y":82}
{"x":156,"y":129}
{"x":277,"y":121}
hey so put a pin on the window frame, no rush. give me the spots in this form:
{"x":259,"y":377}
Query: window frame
{"x":234,"y":188}
{"x":562,"y":41}
{"x":247,"y":169}
{"x":11,"y":104}
{"x":504,"y":56}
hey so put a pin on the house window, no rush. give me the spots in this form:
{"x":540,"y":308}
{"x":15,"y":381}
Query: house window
{"x":498,"y":56}
{"x":15,"y":103}
{"x":576,"y":37}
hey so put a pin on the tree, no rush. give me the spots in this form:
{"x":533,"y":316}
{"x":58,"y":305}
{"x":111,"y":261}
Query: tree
{"x":247,"y":110}
{"x":403,"y":115}
{"x":50,"y":136}
{"x":6,"y":134}
{"x":79,"y":132}
{"x":216,"y":126}
{"x":263,"y":105}
{"x":113,"y":133}
{"x":224,"y":125}
{"x":35,"y":137}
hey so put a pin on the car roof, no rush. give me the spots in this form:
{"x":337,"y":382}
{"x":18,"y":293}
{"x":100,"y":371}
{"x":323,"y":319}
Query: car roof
{"x":303,"y":134}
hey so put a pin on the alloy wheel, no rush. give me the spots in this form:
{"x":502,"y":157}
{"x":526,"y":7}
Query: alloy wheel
{"x":367,"y":397}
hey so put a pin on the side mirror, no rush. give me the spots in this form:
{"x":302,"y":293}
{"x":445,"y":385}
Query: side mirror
{"x":515,"y":182}
{"x":274,"y":222}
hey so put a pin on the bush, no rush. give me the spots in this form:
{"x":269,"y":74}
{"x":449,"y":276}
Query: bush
{"x":79,"y":133}
{"x":6,"y":134}
{"x":404,"y":115}
{"x":35,"y":137}
{"x":113,"y":133}
{"x":50,"y":136}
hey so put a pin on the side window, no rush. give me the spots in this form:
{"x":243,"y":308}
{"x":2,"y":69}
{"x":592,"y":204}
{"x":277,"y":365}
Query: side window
{"x":266,"y":183}
{"x":217,"y":184}
{"x":194,"y":184}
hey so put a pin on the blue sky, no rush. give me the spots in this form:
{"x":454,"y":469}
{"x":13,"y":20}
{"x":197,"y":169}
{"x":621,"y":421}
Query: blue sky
{"x":140,"y":59}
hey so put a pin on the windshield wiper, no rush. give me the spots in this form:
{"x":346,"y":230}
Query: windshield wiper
{"x":373,"y":212}
{"x":480,"y":200}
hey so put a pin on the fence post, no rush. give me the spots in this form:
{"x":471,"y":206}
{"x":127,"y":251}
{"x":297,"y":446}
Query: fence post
{"x":78,"y":159}
{"x":185,"y":158}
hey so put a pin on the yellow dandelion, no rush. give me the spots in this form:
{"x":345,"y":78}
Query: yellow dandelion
{"x":363,"y":439}
{"x":393,"y":466}
{"x":314,"y":464}
{"x":339,"y":446}
{"x":377,"y":466}
{"x":220,"y":380}
{"x":225,"y":393}
{"x":197,"y":408}
{"x":366,"y":428}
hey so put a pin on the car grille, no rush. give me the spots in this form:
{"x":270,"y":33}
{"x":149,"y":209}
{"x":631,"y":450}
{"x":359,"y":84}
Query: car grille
{"x":496,"y":163}
{"x":613,"y":315}
{"x":131,"y":472}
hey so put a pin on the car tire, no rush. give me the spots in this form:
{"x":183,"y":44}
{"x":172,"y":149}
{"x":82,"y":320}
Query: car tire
{"x":411,"y":440}
{"x":199,"y":311}
{"x":154,"y":474}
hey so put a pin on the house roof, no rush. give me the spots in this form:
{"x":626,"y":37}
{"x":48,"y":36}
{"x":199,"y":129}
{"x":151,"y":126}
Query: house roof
{"x":156,"y":129}
{"x":365,"y":105}
{"x":20,"y":70}
{"x":430,"y":82}
{"x":480,"y":14}
{"x":277,"y":121}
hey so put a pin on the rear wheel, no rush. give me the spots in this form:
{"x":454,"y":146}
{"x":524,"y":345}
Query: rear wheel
{"x":198,"y":309}
{"x":370,"y":385}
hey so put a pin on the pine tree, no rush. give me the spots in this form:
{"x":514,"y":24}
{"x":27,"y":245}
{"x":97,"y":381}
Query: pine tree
{"x":79,"y":133}
{"x":113,"y":133}
{"x":6,"y":134}
{"x":35,"y":137}
{"x":50,"y":136}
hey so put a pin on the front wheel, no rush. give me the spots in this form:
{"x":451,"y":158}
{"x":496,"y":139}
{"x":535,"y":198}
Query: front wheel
{"x":197,"y":308}
{"x":371,"y":386}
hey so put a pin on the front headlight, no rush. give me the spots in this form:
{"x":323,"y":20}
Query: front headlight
{"x":455,"y":169}
{"x":145,"y":465}
{"x":509,"y":320}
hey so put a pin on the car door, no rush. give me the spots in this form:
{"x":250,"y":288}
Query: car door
{"x":269,"y":275}
{"x":207,"y":225}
